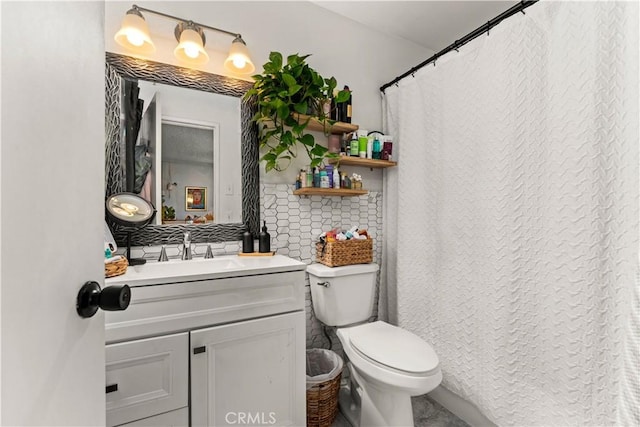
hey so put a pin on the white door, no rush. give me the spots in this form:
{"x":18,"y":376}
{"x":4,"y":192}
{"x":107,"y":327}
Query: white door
{"x":52,"y":212}
{"x":151,"y":134}
{"x":249,"y":373}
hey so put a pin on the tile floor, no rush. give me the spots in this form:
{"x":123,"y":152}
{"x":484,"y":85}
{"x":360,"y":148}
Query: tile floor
{"x":426,"y":413}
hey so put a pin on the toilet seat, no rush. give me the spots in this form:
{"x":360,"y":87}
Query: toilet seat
{"x":394,"y":348}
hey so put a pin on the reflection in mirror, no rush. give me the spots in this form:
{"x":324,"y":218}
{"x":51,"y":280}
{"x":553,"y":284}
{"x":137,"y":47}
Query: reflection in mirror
{"x":231,"y":152}
{"x":192,"y":139}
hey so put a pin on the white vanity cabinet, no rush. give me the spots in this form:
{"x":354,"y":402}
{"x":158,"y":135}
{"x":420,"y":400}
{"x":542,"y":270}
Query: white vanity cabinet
{"x":217,"y":348}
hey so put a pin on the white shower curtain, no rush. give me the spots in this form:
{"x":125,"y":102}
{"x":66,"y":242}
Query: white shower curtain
{"x":512,"y":217}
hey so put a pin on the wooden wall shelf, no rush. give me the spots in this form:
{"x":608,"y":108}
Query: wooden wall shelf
{"x":337,"y":128}
{"x":358,"y":161}
{"x":340,"y":192}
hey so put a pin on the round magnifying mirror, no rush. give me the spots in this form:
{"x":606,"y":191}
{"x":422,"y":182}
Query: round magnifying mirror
{"x":130,"y":211}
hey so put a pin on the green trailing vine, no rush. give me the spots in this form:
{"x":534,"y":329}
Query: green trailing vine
{"x":282,"y":91}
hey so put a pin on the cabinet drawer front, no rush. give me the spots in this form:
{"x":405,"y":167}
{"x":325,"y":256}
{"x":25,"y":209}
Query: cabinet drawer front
{"x":175,"y":307}
{"x":146,"y":377}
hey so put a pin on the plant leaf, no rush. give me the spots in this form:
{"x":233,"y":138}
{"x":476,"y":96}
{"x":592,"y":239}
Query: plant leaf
{"x":308,"y":140}
{"x":300,"y":107}
{"x":319,"y":150}
{"x":315,"y":162}
{"x":343,"y":96}
{"x":293,"y":89}
{"x":276,"y":60}
{"x":288,"y":79}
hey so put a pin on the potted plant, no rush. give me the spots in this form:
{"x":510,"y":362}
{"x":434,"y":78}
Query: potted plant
{"x":286,"y":90}
{"x":168,"y":213}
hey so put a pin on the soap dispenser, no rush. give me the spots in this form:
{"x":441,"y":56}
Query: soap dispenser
{"x":247,"y":242}
{"x":264,"y":240}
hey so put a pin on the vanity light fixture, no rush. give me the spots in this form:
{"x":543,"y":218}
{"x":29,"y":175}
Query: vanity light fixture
{"x":134,"y":35}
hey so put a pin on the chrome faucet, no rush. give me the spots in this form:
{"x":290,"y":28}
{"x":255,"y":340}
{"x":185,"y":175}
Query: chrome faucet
{"x":186,"y":250}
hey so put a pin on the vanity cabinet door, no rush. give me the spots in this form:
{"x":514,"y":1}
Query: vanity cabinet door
{"x":250,"y":373}
{"x":146,"y":377}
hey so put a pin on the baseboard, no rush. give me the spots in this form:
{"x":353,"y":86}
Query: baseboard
{"x":461,"y":408}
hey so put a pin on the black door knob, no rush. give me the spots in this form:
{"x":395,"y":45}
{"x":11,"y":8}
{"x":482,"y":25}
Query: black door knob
{"x":111,"y":298}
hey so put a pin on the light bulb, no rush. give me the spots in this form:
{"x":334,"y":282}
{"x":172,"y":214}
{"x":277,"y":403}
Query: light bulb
{"x":135,"y":38}
{"x":191,"y":50}
{"x":239,"y":62}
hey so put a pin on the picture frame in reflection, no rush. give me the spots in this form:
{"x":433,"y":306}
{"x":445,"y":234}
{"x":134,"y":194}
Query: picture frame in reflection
{"x":195,"y":198}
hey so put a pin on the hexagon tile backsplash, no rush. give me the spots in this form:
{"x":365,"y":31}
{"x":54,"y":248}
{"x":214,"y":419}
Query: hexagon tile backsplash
{"x":295,"y":222}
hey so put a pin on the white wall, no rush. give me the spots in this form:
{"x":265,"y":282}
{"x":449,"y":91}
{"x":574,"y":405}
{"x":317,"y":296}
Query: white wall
{"x":356,"y":55}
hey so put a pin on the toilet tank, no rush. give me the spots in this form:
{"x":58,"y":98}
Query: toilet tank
{"x":342,"y":295}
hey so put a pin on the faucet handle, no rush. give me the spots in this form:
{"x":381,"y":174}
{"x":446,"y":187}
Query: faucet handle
{"x":163,"y":254}
{"x":209,"y":253}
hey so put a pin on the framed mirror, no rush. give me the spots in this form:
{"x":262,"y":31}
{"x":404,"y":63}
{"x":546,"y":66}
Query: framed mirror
{"x":208,"y":175}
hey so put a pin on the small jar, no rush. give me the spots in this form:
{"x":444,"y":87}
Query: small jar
{"x":334,"y":144}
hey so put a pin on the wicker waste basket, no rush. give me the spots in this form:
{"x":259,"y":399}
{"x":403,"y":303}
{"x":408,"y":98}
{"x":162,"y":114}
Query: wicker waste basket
{"x":324,"y":370}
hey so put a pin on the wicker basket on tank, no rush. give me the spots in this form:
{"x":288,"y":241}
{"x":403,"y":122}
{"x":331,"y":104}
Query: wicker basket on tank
{"x":116,"y":268}
{"x":345,"y":252}
{"x":322,"y":403}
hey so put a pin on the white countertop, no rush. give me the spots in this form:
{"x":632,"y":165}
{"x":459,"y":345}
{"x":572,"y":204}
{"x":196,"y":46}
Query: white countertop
{"x":155,"y":273}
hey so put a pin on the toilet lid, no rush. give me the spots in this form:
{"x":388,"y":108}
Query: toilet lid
{"x":394,"y":347}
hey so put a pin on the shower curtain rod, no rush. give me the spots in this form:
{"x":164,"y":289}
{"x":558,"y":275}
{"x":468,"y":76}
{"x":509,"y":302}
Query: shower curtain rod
{"x":520,"y":7}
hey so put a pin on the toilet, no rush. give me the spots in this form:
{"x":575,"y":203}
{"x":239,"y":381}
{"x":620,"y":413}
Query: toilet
{"x":387,"y":364}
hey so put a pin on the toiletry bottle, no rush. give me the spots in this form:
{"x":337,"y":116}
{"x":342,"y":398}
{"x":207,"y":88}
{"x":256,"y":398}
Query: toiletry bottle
{"x":324,"y":179}
{"x":348,"y":110}
{"x":316,"y":177}
{"x":303,"y":178}
{"x":376,"y":148}
{"x":362,"y":144}
{"x":387,"y":147}
{"x":344,"y":145}
{"x":336,"y":178}
{"x":329,"y":170}
{"x":353,"y":151}
{"x":247,"y":242}
{"x":264,"y":239}
{"x":370,"y":147}
{"x":309,"y":178}
{"x":334,"y":107}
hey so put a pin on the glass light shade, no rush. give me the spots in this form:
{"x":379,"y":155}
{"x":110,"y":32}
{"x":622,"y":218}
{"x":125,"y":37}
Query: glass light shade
{"x":134,"y":34}
{"x":239,"y":60}
{"x":191,"y":49}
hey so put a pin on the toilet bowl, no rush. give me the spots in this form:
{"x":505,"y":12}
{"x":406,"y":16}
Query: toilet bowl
{"x":387,"y":364}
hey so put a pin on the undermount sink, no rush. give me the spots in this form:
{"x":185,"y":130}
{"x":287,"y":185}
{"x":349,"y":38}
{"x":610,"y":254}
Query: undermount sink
{"x":191,"y":266}
{"x":181,"y":269}
{"x":201,"y":269}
